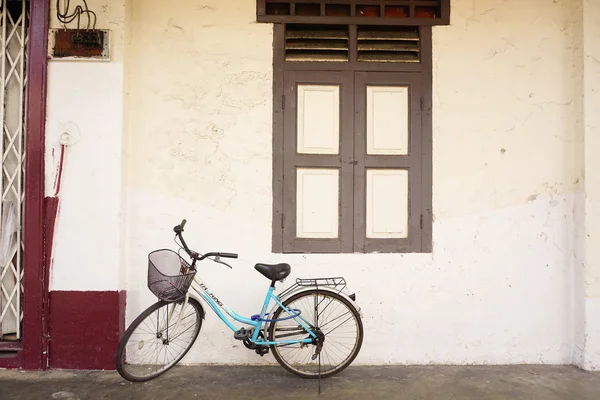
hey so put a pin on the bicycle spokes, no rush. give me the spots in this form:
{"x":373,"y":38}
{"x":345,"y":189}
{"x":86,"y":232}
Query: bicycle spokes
{"x":336,"y":326}
{"x":158,"y":341}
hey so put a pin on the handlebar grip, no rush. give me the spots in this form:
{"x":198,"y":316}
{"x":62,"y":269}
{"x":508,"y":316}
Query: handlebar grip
{"x":228,"y":255}
{"x":179,"y":228}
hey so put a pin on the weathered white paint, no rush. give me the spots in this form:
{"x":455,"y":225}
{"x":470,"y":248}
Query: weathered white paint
{"x":89,"y":94}
{"x":591,"y":79}
{"x":578,"y":240}
{"x":497,"y":287}
{"x":318,"y":119}
{"x":387,"y":203}
{"x":590,"y":346}
{"x":458,"y":305}
{"x":317,"y":202}
{"x":387,"y":120}
{"x":501,"y":283}
{"x":591,"y":349}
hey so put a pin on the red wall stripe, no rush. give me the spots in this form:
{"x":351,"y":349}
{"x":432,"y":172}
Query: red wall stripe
{"x":85,"y":328}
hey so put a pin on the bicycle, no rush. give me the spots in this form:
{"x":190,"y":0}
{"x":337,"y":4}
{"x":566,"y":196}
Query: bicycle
{"x":302,"y":323}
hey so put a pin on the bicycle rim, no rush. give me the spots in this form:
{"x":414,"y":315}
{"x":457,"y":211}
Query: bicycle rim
{"x":337,"y":319}
{"x":158,"y":339}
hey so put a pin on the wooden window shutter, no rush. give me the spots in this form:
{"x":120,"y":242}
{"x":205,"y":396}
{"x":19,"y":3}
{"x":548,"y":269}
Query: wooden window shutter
{"x":352,"y":118}
{"x":314,"y":43}
{"x":388,"y":151}
{"x":388,"y":44}
{"x":317,"y":162}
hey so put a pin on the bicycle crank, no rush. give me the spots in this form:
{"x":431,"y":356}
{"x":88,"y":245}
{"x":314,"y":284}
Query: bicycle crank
{"x":245,"y":334}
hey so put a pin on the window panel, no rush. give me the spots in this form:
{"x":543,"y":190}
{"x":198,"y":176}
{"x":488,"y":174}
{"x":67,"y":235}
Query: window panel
{"x":387,"y":120}
{"x":317,"y":203}
{"x":352,"y":146}
{"x":387,"y":204}
{"x":387,"y":185}
{"x":318,"y":119}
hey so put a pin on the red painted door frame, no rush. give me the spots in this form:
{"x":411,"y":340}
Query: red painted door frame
{"x":35,"y":290}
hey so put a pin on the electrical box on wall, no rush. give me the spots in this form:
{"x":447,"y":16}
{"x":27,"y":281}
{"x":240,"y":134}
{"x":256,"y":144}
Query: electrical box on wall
{"x":79,"y":44}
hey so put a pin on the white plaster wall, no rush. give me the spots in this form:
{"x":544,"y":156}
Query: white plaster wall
{"x":591,"y":120}
{"x":579,"y":209}
{"x":498,"y":287}
{"x":88,"y":241}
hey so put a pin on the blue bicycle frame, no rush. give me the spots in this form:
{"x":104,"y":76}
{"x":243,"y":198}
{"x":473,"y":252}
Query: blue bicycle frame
{"x":218,"y":307}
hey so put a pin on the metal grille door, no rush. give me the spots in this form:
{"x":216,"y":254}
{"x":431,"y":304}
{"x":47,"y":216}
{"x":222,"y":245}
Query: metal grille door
{"x":14,"y":37}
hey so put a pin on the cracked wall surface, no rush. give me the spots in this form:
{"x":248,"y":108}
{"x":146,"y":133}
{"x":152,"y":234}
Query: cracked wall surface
{"x":497,"y":288}
{"x":501,"y":283}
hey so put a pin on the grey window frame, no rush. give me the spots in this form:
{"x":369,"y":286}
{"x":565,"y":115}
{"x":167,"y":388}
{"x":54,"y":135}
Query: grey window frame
{"x":419,"y":76}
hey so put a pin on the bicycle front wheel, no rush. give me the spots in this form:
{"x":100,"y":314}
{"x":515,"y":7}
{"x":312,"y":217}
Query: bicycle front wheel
{"x":337,"y":324}
{"x":158,"y":339}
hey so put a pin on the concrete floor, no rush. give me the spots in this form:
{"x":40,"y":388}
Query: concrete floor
{"x":356,"y":383}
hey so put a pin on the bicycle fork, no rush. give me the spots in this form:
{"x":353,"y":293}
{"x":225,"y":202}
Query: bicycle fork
{"x":170,"y":315}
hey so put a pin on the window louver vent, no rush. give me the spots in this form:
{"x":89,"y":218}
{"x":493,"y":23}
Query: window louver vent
{"x":355,"y":12}
{"x":387,"y":45}
{"x":314,"y":43}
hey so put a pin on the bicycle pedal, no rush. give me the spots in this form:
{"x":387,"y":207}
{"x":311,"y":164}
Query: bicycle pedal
{"x":262,"y":350}
{"x":243,"y":333}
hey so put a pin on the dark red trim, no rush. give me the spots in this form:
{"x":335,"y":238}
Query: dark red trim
{"x":122,"y":311}
{"x":85,"y":329}
{"x":11,"y":360}
{"x":33,"y":224}
{"x":60,"y":170}
{"x":50,"y":213}
{"x":10,"y":346}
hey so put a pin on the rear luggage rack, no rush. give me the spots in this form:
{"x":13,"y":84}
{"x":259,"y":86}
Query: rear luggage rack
{"x":338,"y":284}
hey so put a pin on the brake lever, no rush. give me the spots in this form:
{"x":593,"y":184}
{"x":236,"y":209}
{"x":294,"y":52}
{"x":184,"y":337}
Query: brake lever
{"x":217,"y":259}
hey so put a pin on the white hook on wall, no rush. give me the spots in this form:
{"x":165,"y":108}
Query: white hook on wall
{"x":70,"y":133}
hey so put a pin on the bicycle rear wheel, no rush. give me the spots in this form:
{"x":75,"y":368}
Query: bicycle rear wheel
{"x":333,"y":318}
{"x":158,"y":339}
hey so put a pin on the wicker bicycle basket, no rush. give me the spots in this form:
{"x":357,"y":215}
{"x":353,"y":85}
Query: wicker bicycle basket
{"x":169,"y":275}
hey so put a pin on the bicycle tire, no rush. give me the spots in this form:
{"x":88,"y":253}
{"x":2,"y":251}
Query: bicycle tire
{"x":137,"y":322}
{"x":341,"y":367}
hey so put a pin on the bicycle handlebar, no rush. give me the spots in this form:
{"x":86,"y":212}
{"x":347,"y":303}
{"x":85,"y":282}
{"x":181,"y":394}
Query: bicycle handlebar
{"x":228,"y":255}
{"x":178,"y":229}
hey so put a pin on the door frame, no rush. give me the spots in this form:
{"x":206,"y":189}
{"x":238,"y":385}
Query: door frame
{"x":30,"y":350}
